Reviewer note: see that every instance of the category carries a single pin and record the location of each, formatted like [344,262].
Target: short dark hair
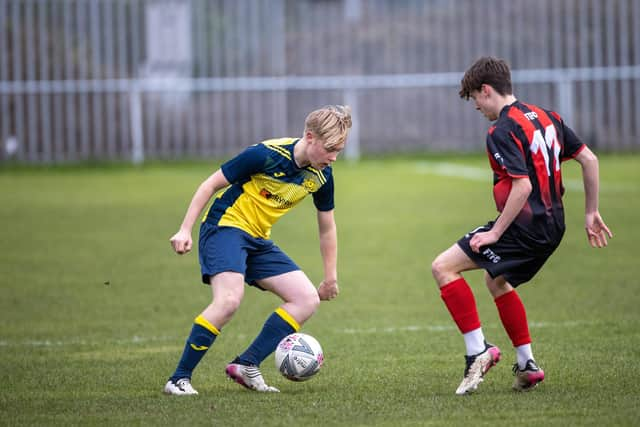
[488,70]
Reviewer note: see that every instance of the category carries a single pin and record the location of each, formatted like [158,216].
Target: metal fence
[136,79]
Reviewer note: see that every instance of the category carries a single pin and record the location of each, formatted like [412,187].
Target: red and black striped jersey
[528,141]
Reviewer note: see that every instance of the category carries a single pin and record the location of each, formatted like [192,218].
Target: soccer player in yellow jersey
[260,185]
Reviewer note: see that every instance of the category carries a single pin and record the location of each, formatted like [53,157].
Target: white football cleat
[478,365]
[249,377]
[527,378]
[181,387]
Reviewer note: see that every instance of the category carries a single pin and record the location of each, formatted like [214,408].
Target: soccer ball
[299,357]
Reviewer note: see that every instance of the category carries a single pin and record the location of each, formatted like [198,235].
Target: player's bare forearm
[590,178]
[328,289]
[202,196]
[520,190]
[597,230]
[329,252]
[182,240]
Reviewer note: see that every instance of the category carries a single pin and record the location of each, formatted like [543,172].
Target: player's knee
[312,301]
[437,268]
[303,306]
[441,271]
[309,302]
[228,304]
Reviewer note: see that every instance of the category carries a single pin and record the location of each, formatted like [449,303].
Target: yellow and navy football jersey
[265,184]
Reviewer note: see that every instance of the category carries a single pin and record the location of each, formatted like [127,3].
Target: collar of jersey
[293,157]
[506,108]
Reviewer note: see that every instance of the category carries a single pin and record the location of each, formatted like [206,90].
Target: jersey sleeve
[508,152]
[323,198]
[245,164]
[571,144]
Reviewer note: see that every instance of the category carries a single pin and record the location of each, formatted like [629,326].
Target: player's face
[320,156]
[484,103]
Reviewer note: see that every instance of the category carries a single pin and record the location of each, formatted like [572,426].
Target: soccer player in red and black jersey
[526,146]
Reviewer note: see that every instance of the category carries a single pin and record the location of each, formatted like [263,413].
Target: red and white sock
[460,302]
[474,341]
[524,353]
[514,320]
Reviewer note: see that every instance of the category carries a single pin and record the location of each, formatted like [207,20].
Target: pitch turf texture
[95,307]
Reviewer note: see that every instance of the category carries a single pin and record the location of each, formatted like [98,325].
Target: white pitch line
[392,330]
[446,328]
[78,341]
[454,170]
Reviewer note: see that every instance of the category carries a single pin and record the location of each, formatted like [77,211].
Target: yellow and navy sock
[278,325]
[202,336]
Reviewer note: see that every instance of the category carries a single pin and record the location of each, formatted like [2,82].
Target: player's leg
[458,297]
[228,290]
[300,302]
[514,319]
[300,298]
[270,269]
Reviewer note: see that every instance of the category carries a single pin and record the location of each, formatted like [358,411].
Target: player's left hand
[482,239]
[597,230]
[328,290]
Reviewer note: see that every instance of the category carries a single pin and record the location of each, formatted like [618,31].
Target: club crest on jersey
[309,185]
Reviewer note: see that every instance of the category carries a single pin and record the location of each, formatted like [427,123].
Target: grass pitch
[95,307]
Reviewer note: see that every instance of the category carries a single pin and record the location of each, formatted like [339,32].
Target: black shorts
[514,256]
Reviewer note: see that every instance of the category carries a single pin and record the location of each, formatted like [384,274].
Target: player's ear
[309,136]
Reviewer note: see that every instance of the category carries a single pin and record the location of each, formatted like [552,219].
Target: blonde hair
[330,123]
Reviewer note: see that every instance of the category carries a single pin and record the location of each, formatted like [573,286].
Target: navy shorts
[514,256]
[232,249]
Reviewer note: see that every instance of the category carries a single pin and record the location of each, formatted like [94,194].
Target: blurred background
[132,80]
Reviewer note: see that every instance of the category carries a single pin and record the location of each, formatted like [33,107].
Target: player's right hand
[481,239]
[181,242]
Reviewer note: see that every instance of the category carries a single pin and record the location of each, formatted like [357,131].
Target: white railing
[136,79]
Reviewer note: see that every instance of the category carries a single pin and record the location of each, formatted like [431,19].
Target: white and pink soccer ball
[299,357]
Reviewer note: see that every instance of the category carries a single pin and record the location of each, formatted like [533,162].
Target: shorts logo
[279,174]
[491,256]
